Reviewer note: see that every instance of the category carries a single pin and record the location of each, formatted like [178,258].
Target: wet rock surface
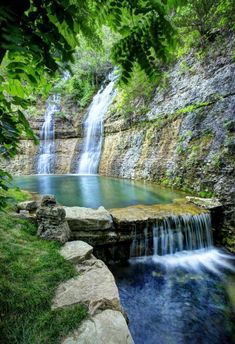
[145,213]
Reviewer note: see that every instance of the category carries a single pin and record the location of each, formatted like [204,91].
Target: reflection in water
[88,191]
[94,191]
[178,299]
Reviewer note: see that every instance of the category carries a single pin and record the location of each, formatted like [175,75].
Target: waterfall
[173,234]
[93,129]
[46,158]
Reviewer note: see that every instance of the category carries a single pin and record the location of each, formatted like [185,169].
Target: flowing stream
[46,158]
[173,234]
[179,294]
[93,129]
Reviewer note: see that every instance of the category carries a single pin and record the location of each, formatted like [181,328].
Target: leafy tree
[206,16]
[36,35]
[88,70]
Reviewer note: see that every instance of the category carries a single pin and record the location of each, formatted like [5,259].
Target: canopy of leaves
[37,35]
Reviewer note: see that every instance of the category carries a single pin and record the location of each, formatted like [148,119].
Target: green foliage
[88,70]
[139,90]
[206,194]
[5,179]
[12,196]
[36,36]
[31,270]
[229,125]
[206,16]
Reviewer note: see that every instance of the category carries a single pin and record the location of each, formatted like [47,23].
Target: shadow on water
[178,299]
[94,191]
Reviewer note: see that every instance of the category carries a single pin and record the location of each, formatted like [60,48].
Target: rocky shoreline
[95,287]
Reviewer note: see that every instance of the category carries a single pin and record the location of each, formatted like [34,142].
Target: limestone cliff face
[68,141]
[187,138]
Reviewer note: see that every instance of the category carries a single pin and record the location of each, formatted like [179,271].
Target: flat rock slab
[80,218]
[107,327]
[76,251]
[95,287]
[143,213]
[28,205]
[207,203]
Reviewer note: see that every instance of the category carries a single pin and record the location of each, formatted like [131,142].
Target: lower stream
[179,299]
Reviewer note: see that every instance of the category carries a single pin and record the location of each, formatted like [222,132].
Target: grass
[31,269]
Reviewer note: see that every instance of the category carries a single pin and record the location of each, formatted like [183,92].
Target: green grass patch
[9,198]
[31,270]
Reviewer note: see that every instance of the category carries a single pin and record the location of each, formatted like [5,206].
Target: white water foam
[93,128]
[46,158]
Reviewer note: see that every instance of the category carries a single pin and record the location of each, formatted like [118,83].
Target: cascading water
[90,157]
[177,292]
[46,158]
[173,234]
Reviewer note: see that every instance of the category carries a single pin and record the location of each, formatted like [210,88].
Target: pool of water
[94,191]
[178,299]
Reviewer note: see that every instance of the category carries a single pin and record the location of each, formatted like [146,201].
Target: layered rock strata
[185,136]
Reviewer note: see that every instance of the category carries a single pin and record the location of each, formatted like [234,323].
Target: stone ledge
[86,218]
[107,327]
[206,203]
[94,287]
[76,251]
[148,213]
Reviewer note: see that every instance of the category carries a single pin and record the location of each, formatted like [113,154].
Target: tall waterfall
[93,129]
[46,158]
[172,235]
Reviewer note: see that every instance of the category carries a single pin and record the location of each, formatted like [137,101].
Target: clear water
[93,129]
[180,298]
[46,157]
[94,191]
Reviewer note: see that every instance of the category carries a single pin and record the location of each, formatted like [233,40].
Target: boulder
[51,222]
[107,327]
[76,251]
[27,205]
[95,287]
[48,200]
[80,218]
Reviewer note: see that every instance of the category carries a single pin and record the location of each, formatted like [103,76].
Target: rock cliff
[68,141]
[187,137]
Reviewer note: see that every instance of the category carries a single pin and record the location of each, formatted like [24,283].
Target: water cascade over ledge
[93,129]
[174,288]
[173,234]
[46,158]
